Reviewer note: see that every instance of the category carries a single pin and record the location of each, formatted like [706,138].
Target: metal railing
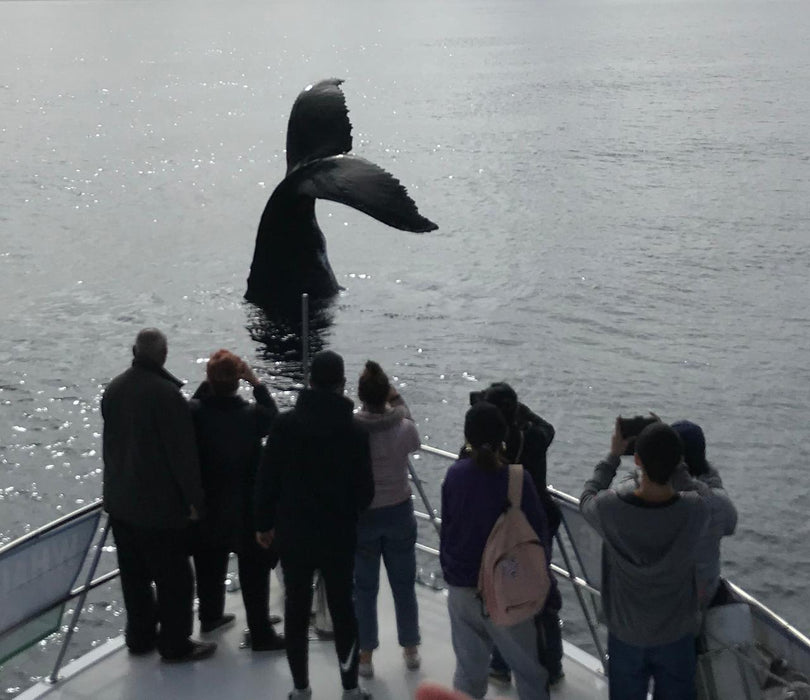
[796,645]
[578,583]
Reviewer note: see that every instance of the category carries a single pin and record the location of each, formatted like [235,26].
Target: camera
[631,427]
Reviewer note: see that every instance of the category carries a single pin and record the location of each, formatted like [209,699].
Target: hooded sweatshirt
[649,593]
[392,436]
[314,478]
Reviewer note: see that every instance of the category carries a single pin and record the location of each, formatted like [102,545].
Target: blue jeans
[389,532]
[671,666]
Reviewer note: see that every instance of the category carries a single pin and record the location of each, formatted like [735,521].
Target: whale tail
[362,185]
[290,253]
[319,124]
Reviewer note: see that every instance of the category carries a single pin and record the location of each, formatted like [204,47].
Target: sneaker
[500,675]
[211,625]
[357,693]
[297,694]
[412,658]
[365,668]
[197,652]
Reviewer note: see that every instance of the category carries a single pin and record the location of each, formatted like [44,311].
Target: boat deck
[110,673]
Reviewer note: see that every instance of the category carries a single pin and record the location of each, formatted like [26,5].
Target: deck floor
[109,673]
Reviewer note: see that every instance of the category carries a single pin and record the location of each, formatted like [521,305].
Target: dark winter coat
[315,477]
[151,472]
[229,433]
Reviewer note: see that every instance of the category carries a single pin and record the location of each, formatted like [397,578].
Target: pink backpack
[513,580]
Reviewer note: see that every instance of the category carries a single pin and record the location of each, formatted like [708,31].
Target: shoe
[412,658]
[197,652]
[224,621]
[555,678]
[365,668]
[271,643]
[500,675]
[357,693]
[296,694]
[142,650]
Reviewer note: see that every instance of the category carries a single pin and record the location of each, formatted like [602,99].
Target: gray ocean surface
[622,189]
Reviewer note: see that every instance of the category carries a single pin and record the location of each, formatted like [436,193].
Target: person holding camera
[649,592]
[528,437]
[229,432]
[474,492]
[694,473]
[387,528]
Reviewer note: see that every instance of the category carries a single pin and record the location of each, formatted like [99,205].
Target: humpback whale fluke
[290,254]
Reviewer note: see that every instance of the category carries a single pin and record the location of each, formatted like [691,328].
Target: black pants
[255,565]
[210,569]
[158,556]
[337,572]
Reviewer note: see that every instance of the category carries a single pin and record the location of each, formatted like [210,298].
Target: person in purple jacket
[474,494]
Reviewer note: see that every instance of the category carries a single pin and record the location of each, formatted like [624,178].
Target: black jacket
[315,477]
[229,432]
[526,444]
[151,472]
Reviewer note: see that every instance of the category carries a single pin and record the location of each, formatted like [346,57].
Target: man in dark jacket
[152,491]
[527,439]
[314,479]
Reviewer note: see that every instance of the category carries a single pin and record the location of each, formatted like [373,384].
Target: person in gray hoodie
[649,590]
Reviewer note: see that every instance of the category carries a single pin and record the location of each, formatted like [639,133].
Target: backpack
[513,580]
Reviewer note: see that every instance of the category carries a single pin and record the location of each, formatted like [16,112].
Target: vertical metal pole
[79,604]
[305,337]
[582,604]
[420,488]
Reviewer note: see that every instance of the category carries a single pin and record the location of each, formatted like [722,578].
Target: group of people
[328,495]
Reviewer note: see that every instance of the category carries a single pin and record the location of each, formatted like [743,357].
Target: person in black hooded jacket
[229,431]
[314,479]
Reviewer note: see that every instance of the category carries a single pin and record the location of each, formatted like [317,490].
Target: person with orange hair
[229,432]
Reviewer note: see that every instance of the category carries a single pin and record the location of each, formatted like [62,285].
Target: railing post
[418,483]
[305,337]
[582,604]
[79,604]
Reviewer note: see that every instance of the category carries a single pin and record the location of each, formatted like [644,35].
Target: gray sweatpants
[473,636]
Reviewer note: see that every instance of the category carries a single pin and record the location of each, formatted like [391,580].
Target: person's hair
[694,446]
[485,430]
[503,396]
[327,370]
[373,386]
[151,344]
[660,451]
[223,370]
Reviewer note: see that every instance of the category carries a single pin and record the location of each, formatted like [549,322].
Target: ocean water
[622,189]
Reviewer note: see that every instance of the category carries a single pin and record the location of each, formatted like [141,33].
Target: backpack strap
[514,493]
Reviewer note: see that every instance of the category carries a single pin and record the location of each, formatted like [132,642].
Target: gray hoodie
[649,593]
